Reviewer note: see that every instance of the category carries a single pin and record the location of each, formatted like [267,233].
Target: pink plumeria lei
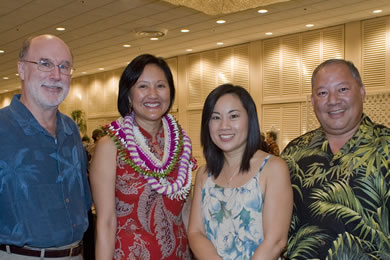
[133,150]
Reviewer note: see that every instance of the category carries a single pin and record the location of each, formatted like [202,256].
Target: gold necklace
[231,177]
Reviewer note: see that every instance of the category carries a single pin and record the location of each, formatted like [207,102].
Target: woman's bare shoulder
[105,150]
[106,143]
[202,174]
[274,164]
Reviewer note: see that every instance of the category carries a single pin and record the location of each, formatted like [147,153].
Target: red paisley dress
[149,225]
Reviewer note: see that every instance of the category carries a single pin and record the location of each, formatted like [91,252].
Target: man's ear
[21,70]
[363,92]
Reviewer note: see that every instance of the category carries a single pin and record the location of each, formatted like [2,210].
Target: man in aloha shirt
[340,174]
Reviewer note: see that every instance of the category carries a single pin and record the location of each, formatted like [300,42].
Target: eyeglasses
[46,65]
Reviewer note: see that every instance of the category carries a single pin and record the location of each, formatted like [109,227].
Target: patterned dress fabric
[233,217]
[149,225]
[342,200]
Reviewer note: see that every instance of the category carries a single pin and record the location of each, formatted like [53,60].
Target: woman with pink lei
[141,171]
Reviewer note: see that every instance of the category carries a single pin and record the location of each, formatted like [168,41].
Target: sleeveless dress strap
[264,163]
[258,173]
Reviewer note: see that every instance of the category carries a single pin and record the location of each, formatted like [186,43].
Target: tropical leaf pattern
[44,193]
[342,200]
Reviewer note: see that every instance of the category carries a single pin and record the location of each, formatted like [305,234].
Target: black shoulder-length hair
[132,73]
[213,154]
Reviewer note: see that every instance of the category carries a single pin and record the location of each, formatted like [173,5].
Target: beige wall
[276,72]
[6,98]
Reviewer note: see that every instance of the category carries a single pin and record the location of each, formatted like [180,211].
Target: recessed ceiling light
[101,68]
[5,78]
[188,49]
[377,11]
[2,51]
[154,39]
[126,45]
[17,74]
[184,30]
[84,72]
[219,43]
[309,25]
[60,29]
[221,21]
[268,33]
[262,11]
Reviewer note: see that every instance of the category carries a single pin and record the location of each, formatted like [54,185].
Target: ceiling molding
[219,7]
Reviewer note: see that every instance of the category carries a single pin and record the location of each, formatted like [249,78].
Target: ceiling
[96,30]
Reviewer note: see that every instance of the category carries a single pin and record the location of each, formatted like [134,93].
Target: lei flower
[133,150]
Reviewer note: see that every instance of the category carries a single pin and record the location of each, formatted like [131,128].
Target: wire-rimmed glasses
[47,65]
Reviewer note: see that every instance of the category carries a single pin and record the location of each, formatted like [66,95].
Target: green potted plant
[79,117]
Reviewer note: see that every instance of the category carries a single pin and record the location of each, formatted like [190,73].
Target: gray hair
[26,46]
[354,71]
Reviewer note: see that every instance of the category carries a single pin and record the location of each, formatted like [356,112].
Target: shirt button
[67,200]
[331,164]
[74,225]
[322,243]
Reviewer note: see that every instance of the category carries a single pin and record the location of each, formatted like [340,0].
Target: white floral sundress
[233,217]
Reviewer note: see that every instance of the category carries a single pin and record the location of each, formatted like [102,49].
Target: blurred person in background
[96,135]
[272,145]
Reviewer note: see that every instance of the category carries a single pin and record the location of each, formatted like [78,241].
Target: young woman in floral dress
[141,171]
[243,198]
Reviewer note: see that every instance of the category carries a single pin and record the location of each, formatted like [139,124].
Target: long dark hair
[213,154]
[132,73]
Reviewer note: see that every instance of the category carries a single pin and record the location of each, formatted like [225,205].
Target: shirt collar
[361,132]
[30,124]
[63,123]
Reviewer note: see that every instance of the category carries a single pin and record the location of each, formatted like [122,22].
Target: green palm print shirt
[342,200]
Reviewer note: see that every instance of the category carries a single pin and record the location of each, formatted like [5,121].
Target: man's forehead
[52,48]
[334,69]
[339,67]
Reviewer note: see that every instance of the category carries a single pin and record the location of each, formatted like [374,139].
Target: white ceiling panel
[97,29]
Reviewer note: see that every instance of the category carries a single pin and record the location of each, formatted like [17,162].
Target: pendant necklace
[228,181]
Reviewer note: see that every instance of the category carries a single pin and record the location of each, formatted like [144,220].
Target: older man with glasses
[44,193]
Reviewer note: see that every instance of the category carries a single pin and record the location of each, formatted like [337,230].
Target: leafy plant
[79,117]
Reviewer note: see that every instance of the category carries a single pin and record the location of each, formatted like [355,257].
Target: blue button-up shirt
[44,193]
